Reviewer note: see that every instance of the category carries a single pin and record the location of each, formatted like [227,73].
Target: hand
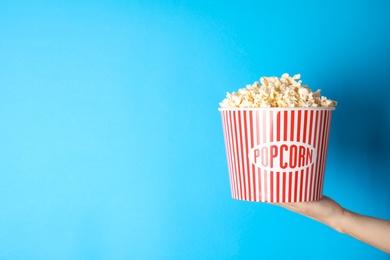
[371,230]
[324,210]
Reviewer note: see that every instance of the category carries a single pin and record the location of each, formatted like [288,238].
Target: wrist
[338,222]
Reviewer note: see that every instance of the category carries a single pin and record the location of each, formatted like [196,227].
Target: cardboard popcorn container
[276,154]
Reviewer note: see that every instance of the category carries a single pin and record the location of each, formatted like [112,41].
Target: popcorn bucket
[276,154]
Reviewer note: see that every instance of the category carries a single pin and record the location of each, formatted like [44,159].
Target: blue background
[111,144]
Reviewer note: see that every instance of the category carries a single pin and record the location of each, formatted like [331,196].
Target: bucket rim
[273,108]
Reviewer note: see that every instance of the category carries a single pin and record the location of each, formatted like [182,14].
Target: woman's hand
[373,231]
[326,211]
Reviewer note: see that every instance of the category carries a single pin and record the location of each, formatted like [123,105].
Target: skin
[370,230]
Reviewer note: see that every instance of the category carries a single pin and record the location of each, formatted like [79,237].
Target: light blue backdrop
[111,144]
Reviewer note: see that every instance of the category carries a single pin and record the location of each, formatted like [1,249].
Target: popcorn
[276,92]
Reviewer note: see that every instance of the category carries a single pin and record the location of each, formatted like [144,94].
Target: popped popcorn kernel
[272,91]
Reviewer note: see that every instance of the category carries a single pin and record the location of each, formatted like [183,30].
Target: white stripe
[313,167]
[281,199]
[275,125]
[294,139]
[250,145]
[287,173]
[301,172]
[267,139]
[256,142]
[262,126]
[306,171]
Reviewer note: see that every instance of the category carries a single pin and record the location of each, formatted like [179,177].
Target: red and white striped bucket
[276,154]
